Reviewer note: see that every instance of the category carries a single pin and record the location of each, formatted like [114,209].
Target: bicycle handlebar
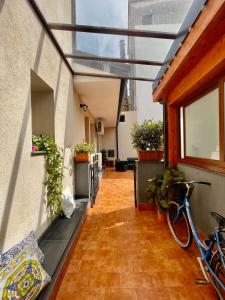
[188,183]
[201,182]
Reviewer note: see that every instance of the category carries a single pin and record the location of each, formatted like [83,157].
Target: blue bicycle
[212,250]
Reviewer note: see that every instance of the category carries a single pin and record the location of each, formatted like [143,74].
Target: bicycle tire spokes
[178,225]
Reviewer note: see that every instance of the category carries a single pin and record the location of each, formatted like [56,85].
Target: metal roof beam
[112,76]
[115,60]
[114,31]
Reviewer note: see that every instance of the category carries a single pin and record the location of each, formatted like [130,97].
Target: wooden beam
[112,76]
[173,135]
[115,60]
[202,76]
[114,31]
[207,30]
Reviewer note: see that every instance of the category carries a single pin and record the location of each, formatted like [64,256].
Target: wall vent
[99,127]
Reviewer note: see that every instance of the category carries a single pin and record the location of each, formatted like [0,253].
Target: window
[202,127]
[42,107]
[202,130]
[122,118]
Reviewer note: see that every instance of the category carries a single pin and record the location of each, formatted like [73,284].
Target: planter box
[145,170]
[150,155]
[83,157]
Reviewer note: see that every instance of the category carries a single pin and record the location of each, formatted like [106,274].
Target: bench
[121,165]
[57,244]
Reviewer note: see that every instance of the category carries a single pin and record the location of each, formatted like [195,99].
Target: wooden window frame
[205,163]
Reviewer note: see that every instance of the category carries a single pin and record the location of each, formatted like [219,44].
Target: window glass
[182,132]
[42,107]
[202,127]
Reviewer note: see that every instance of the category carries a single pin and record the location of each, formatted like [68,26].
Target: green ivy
[54,168]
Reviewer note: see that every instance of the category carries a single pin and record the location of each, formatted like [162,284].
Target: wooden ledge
[207,30]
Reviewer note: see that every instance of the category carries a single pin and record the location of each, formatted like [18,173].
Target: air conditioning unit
[99,127]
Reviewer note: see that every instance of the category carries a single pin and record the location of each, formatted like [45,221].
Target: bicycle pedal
[201,281]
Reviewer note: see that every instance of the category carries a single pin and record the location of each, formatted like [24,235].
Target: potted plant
[147,139]
[82,152]
[159,193]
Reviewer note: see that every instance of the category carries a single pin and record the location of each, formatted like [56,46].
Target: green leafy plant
[147,136]
[84,148]
[54,168]
[158,191]
[104,152]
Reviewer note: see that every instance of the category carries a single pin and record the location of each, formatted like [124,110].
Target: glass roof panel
[121,69]
[133,13]
[160,15]
[106,13]
[146,15]
[113,46]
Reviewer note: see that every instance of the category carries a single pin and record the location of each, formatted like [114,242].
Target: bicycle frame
[205,251]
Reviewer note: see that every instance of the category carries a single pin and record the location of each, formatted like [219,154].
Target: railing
[94,182]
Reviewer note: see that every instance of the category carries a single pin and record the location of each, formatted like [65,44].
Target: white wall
[109,139]
[93,135]
[124,138]
[155,50]
[146,108]
[24,47]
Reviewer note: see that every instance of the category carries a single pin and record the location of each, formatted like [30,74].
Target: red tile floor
[123,254]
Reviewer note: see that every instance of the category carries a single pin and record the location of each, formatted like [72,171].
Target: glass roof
[124,51]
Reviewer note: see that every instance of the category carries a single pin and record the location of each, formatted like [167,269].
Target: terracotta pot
[161,217]
[83,157]
[146,207]
[150,155]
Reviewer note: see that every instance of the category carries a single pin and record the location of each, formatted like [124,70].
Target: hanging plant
[54,168]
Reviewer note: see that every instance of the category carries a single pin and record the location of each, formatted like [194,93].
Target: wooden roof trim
[208,68]
[205,20]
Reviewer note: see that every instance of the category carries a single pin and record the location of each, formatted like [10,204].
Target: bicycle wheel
[218,268]
[179,226]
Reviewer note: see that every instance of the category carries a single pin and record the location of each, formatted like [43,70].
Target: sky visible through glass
[106,13]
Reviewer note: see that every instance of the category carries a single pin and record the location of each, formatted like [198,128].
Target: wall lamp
[84,107]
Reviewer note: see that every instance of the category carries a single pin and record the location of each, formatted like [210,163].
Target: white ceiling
[101,95]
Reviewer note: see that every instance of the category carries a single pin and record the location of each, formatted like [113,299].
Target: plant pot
[83,157]
[161,217]
[146,207]
[156,155]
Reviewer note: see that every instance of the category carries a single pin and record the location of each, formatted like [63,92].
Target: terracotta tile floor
[123,254]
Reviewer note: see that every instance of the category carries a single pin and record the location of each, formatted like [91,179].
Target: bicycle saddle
[220,219]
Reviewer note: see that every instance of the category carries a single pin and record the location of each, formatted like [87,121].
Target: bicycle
[212,250]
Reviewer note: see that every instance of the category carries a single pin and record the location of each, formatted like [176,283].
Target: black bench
[57,244]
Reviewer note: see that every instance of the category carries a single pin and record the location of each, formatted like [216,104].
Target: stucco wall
[109,139]
[206,199]
[24,47]
[124,138]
